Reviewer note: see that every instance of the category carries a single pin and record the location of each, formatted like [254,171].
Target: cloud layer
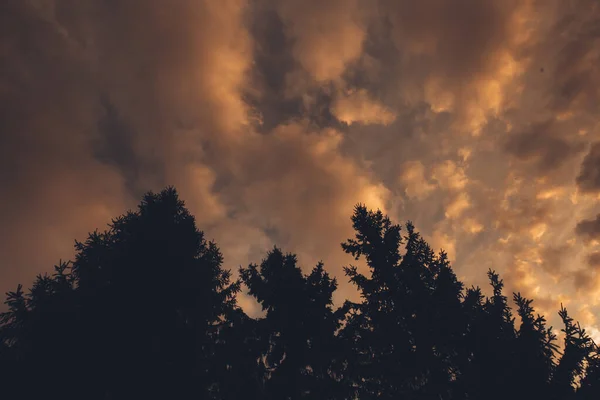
[476,120]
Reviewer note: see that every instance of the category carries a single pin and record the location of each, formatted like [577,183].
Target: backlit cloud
[477,120]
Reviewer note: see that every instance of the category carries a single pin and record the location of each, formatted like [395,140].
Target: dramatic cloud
[594,259]
[357,107]
[477,120]
[413,178]
[327,35]
[589,175]
[589,228]
[543,144]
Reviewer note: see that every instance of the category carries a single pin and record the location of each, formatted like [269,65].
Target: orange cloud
[358,107]
[476,120]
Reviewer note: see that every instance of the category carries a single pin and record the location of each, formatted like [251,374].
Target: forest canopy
[147,310]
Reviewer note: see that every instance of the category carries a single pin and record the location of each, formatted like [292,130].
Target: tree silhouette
[405,332]
[535,348]
[146,310]
[577,349]
[296,353]
[134,316]
[493,353]
[590,382]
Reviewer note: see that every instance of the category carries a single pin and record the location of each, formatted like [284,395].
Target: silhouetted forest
[146,310]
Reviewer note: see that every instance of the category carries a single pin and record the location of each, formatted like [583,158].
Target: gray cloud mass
[476,120]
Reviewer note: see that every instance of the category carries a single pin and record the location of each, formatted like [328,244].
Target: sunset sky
[479,120]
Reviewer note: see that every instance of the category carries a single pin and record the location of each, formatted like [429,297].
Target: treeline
[147,311]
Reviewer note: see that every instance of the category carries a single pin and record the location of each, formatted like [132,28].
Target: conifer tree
[146,310]
[135,316]
[535,349]
[298,331]
[590,383]
[405,332]
[578,347]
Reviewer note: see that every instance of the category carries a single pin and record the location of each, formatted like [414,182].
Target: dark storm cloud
[587,278]
[544,144]
[113,145]
[593,259]
[273,62]
[589,228]
[553,258]
[573,77]
[577,69]
[462,35]
[588,179]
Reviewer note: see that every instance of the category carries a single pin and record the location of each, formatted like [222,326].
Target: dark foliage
[146,311]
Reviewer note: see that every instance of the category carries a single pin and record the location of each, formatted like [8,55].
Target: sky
[478,120]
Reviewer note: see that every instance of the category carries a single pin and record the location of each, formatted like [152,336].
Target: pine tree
[136,315]
[535,349]
[578,347]
[298,331]
[492,346]
[590,383]
[405,333]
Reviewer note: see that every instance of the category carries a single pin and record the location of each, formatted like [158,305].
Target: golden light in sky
[477,120]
